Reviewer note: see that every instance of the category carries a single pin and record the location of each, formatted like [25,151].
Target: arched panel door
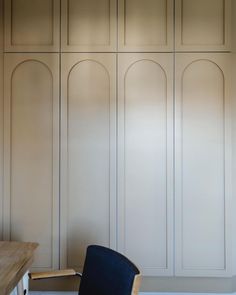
[88,154]
[202,165]
[1,116]
[145,168]
[31,154]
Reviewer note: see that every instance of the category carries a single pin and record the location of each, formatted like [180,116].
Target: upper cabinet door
[203,177]
[88,25]
[32,25]
[145,161]
[203,25]
[145,25]
[31,153]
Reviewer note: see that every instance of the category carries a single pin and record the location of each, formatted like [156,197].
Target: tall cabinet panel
[202,165]
[88,25]
[145,163]
[145,25]
[203,25]
[32,25]
[1,118]
[88,154]
[31,153]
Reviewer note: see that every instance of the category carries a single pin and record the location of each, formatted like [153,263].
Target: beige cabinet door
[31,153]
[145,25]
[88,139]
[202,25]
[32,25]
[88,25]
[203,172]
[145,161]
[1,116]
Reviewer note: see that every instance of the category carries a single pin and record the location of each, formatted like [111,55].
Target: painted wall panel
[233,73]
[88,189]
[145,136]
[32,25]
[31,150]
[89,25]
[203,25]
[145,161]
[202,165]
[1,118]
[146,25]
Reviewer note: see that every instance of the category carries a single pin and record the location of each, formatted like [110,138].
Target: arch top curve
[31,60]
[203,60]
[144,60]
[87,60]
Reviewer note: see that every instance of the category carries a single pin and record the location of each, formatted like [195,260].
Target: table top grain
[15,259]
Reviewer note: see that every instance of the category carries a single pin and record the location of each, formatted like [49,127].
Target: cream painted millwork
[145,25]
[1,117]
[31,153]
[203,178]
[233,91]
[88,189]
[88,25]
[145,161]
[32,25]
[202,25]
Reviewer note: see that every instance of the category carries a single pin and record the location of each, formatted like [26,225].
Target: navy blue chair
[106,272]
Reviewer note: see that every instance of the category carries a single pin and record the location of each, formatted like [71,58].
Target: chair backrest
[107,272]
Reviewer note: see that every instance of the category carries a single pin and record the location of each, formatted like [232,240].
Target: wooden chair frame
[72,272]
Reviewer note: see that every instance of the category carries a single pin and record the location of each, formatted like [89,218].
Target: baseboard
[154,285]
[183,293]
[141,293]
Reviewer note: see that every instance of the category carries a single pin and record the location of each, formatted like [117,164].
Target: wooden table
[15,260]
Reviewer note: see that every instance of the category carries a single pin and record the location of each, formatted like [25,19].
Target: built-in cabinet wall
[144,164]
